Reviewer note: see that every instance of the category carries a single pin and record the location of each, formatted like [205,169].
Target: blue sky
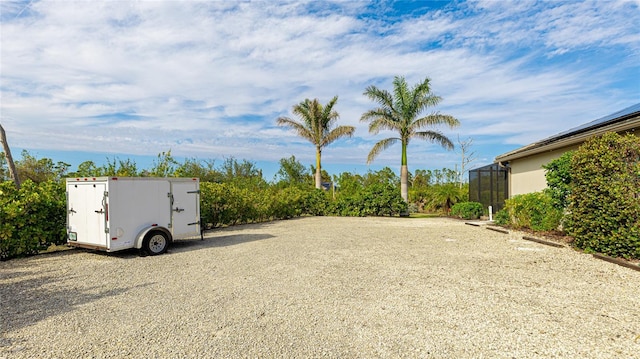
[92,80]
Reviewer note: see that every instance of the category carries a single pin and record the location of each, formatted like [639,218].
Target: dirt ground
[324,287]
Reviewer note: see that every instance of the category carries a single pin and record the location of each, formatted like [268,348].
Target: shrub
[604,214]
[378,199]
[32,218]
[534,211]
[502,217]
[467,210]
[558,175]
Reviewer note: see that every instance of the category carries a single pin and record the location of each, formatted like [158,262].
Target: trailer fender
[143,233]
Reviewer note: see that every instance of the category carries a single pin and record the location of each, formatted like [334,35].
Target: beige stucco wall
[527,174]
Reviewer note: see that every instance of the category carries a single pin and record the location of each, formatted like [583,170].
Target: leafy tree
[292,173]
[421,179]
[87,169]
[202,169]
[316,126]
[385,176]
[40,170]
[400,112]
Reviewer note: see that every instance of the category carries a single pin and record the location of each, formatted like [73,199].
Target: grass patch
[424,215]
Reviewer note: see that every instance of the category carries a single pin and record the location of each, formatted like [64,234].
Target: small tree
[467,157]
[292,172]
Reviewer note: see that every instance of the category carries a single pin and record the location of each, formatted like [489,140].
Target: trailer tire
[155,242]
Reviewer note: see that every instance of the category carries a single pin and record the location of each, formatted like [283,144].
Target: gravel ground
[324,287]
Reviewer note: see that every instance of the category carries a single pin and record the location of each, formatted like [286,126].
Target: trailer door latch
[178,209]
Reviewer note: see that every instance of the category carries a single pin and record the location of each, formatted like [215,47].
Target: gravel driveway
[324,287]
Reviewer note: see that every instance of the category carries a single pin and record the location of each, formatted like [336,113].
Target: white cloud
[209,78]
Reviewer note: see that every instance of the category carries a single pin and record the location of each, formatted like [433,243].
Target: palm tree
[399,112]
[316,126]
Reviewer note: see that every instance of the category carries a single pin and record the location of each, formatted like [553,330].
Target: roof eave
[577,138]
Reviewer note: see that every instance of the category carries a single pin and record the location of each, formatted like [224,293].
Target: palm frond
[435,136]
[298,127]
[379,147]
[435,120]
[383,97]
[401,96]
[336,133]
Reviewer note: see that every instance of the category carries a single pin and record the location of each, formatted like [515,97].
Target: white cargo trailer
[116,213]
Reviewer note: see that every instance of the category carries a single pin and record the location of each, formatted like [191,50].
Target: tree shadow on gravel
[31,300]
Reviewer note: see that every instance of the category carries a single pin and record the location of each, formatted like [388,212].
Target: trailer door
[185,209]
[87,213]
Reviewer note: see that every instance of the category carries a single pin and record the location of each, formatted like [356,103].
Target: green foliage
[349,184]
[467,210]
[121,168]
[202,169]
[502,217]
[378,199]
[317,125]
[532,210]
[225,204]
[383,176]
[604,210]
[558,175]
[164,166]
[243,174]
[293,173]
[39,169]
[32,218]
[443,196]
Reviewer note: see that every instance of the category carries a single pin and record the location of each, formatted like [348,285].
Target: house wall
[527,174]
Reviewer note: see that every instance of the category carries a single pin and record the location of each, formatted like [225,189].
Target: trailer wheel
[155,243]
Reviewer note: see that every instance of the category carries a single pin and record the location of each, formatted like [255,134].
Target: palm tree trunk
[7,154]
[404,177]
[318,169]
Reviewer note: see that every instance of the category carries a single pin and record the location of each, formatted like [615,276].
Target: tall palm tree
[399,112]
[316,126]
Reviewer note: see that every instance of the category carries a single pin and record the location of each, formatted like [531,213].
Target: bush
[378,199]
[558,175]
[532,210]
[604,210]
[502,217]
[32,218]
[467,210]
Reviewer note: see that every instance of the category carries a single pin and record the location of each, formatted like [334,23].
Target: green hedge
[378,199]
[604,210]
[32,218]
[467,210]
